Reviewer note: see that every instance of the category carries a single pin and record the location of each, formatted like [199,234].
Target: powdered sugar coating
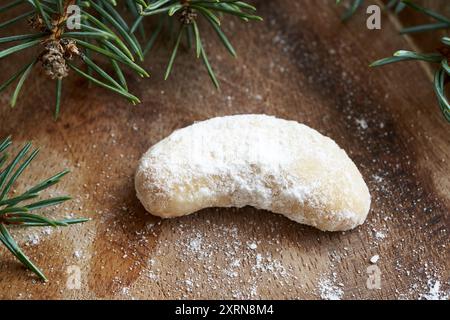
[254,160]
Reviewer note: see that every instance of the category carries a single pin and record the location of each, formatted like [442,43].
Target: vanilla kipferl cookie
[254,160]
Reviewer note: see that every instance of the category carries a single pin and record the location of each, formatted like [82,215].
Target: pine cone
[53,60]
[187,15]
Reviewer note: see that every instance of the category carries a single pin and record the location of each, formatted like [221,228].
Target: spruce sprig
[186,12]
[441,58]
[103,33]
[18,210]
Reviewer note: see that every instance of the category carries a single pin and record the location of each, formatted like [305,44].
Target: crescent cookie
[254,160]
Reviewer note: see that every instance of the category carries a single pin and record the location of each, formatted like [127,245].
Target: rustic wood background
[301,63]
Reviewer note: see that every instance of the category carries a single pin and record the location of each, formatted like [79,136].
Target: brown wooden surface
[302,64]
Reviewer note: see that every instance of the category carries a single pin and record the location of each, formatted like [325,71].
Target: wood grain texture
[302,64]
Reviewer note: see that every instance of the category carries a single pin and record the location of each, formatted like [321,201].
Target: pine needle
[18,210]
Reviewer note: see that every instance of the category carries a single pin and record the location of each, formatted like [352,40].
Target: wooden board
[302,64]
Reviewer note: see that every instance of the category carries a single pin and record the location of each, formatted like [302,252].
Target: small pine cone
[187,15]
[53,60]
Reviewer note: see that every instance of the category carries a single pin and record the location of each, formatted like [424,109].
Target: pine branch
[185,13]
[440,58]
[18,210]
[104,34]
[56,46]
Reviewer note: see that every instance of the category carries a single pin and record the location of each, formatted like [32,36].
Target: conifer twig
[100,31]
[440,58]
[103,33]
[186,14]
[18,210]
